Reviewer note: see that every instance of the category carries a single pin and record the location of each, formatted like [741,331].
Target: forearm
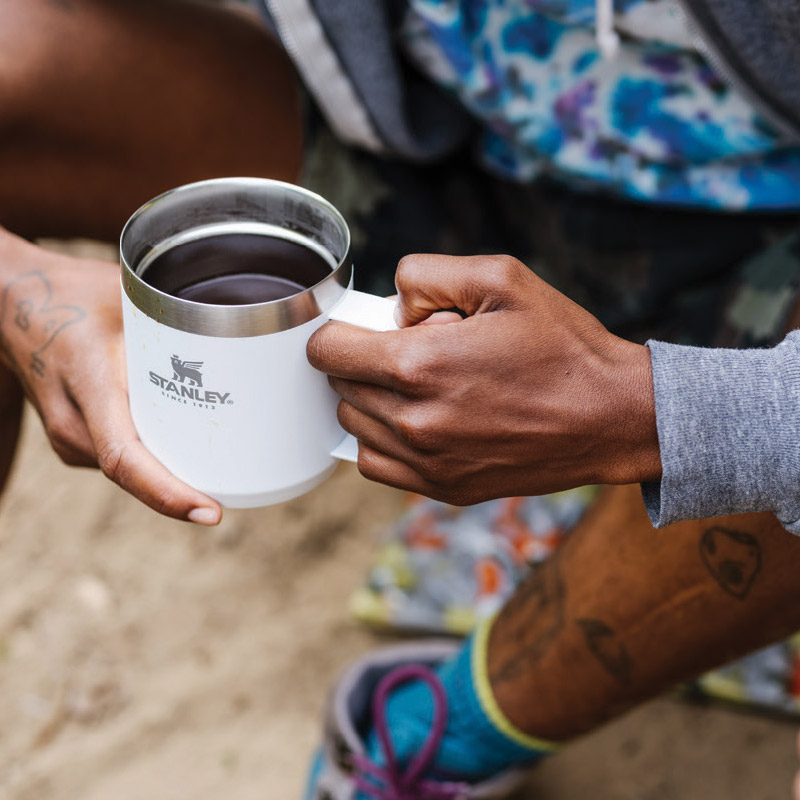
[622,416]
[623,613]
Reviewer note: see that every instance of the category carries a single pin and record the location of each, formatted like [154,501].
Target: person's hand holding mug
[527,394]
[61,334]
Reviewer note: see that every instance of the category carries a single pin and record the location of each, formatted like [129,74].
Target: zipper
[607,38]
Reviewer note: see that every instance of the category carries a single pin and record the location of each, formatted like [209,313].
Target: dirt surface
[146,658]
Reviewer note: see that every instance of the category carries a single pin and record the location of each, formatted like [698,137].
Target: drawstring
[607,37]
[390,782]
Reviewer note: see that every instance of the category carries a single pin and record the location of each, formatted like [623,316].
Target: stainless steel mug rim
[207,319]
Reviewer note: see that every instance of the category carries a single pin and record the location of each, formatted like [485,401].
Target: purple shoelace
[391,782]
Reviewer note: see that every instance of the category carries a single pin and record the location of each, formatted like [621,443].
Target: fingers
[391,444]
[387,421]
[375,465]
[69,437]
[382,468]
[63,423]
[375,401]
[474,284]
[442,318]
[346,351]
[375,434]
[397,455]
[125,460]
[382,358]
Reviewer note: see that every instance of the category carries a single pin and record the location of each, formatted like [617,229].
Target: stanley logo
[186,385]
[187,369]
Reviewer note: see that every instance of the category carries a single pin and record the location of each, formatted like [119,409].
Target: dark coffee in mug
[236,269]
[223,395]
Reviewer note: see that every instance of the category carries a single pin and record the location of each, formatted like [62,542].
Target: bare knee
[104,103]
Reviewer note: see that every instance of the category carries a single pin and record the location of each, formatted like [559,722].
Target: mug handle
[367,311]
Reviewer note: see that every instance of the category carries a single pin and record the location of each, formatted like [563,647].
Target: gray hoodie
[728,420]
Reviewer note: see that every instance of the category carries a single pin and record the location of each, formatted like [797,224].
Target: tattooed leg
[626,612]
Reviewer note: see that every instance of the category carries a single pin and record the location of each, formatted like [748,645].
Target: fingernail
[204,516]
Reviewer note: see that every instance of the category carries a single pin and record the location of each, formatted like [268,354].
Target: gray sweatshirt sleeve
[729,431]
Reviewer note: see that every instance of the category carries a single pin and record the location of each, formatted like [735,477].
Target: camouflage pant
[692,277]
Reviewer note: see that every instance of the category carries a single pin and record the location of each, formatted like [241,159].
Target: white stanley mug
[223,395]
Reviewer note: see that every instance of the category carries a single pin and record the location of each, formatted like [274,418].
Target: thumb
[427,284]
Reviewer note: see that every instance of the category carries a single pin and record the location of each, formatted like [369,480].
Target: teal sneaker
[346,767]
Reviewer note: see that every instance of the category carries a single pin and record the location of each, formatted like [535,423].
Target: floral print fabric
[655,123]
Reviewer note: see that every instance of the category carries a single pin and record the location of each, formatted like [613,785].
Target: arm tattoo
[26,304]
[532,619]
[602,641]
[733,559]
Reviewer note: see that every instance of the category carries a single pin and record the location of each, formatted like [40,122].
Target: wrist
[627,417]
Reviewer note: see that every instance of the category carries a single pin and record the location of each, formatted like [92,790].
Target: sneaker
[341,769]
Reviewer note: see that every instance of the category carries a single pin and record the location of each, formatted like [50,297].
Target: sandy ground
[145,658]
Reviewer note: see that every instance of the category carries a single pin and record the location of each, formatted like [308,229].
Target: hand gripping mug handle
[366,311]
